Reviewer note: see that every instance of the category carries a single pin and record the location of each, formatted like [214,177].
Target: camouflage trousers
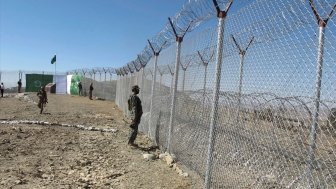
[134,132]
[90,95]
[41,105]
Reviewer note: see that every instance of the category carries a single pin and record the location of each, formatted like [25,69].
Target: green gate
[35,81]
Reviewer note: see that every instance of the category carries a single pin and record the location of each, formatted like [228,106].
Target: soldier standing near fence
[90,92]
[134,106]
[42,94]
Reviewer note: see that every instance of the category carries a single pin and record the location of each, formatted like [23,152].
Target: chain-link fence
[103,81]
[249,102]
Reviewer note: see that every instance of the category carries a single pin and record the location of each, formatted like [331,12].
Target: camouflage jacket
[134,106]
[42,96]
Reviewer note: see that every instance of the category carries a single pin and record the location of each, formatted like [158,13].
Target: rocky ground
[78,143]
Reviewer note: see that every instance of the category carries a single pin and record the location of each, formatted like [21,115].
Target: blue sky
[82,33]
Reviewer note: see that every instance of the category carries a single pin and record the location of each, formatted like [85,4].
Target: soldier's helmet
[135,87]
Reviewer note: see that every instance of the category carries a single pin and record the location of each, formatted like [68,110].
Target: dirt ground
[52,156]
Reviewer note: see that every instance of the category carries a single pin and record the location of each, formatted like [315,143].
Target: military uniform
[80,89]
[90,92]
[2,88]
[19,86]
[135,108]
[42,94]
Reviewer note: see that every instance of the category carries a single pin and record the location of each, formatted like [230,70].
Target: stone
[185,174]
[18,182]
[3,182]
[162,156]
[179,171]
[149,156]
[45,176]
[169,160]
[173,156]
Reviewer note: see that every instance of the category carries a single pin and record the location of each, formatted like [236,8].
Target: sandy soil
[52,156]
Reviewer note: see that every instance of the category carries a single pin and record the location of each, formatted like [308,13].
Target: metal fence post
[136,75]
[204,83]
[214,112]
[104,85]
[184,71]
[152,95]
[173,100]
[156,54]
[172,80]
[242,53]
[312,146]
[118,89]
[240,86]
[179,40]
[142,81]
[205,64]
[160,82]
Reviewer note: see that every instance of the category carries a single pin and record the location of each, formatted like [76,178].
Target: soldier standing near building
[134,106]
[19,86]
[42,94]
[80,87]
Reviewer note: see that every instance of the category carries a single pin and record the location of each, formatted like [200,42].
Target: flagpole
[55,72]
[53,61]
[55,76]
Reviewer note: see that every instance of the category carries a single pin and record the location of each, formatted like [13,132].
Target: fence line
[253,107]
[260,114]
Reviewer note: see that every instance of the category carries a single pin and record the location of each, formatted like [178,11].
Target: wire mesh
[269,102]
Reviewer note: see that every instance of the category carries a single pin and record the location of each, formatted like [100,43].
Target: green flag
[53,60]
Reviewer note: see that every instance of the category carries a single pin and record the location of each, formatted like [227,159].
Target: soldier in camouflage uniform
[80,88]
[134,106]
[42,94]
[2,88]
[90,92]
[19,85]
